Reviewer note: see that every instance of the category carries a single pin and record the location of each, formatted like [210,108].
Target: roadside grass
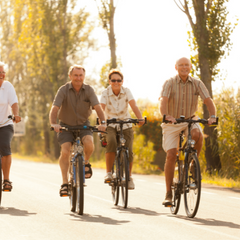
[215,180]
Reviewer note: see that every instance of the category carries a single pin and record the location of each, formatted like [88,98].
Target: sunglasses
[114,80]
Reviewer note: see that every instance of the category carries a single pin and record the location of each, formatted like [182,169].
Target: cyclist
[179,96]
[8,106]
[114,101]
[74,102]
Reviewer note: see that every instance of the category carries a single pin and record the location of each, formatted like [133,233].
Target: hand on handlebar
[16,119]
[102,127]
[57,127]
[211,121]
[141,122]
[170,119]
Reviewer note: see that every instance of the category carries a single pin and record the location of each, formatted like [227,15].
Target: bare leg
[169,167]
[6,165]
[88,149]
[198,137]
[64,160]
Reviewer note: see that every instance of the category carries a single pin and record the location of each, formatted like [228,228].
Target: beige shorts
[171,134]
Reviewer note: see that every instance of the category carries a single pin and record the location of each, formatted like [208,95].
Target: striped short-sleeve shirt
[183,97]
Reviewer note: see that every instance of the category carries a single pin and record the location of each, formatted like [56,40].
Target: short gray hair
[2,64]
[75,66]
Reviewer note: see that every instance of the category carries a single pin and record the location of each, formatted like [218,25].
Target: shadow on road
[15,212]
[138,210]
[96,218]
[211,222]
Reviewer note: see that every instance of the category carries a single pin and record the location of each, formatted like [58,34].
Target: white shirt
[7,98]
[117,106]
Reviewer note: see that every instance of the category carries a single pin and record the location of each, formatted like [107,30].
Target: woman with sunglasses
[114,101]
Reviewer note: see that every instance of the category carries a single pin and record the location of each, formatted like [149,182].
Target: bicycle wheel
[176,187]
[192,191]
[79,185]
[124,176]
[0,180]
[115,183]
[72,189]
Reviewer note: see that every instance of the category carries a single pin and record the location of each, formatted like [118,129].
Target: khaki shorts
[171,134]
[112,141]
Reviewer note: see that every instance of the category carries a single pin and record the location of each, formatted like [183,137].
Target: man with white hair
[179,96]
[8,106]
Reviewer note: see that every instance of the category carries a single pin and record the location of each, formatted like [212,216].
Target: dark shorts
[6,135]
[66,136]
[112,141]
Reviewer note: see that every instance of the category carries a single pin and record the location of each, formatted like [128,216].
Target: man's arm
[15,110]
[211,109]
[164,111]
[53,118]
[136,110]
[101,116]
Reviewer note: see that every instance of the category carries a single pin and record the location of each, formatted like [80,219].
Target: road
[34,210]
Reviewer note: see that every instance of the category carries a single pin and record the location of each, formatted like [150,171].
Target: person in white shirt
[8,106]
[114,101]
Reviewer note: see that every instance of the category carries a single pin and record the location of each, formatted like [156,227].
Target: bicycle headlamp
[79,149]
[192,143]
[122,141]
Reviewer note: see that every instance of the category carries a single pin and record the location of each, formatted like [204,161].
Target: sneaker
[168,199]
[108,178]
[131,184]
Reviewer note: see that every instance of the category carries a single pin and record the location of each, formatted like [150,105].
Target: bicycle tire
[115,183]
[176,187]
[0,180]
[72,189]
[79,185]
[124,174]
[192,192]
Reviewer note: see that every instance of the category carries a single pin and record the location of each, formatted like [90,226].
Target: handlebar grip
[97,121]
[216,123]
[164,119]
[52,128]
[145,118]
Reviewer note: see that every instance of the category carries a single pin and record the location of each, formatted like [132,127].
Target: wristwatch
[213,116]
[103,122]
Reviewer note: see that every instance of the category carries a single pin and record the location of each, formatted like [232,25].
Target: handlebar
[182,119]
[129,120]
[77,128]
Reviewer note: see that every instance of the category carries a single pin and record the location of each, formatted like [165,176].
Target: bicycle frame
[77,151]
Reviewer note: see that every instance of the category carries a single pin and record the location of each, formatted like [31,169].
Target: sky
[151,35]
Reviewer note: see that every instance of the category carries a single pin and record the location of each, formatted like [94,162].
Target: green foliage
[143,153]
[217,33]
[228,110]
[40,40]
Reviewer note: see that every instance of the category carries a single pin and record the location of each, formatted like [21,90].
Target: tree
[210,37]
[106,14]
[41,40]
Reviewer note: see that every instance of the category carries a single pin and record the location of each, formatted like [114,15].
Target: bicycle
[120,169]
[187,174]
[10,117]
[76,182]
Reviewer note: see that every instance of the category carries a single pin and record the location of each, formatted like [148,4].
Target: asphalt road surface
[34,210]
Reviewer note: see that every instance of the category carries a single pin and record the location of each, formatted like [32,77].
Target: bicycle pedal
[168,205]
